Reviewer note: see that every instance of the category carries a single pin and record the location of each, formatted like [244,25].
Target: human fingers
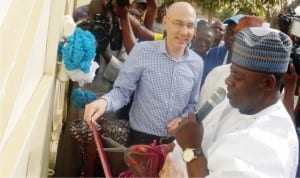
[292,68]
[189,132]
[171,127]
[94,110]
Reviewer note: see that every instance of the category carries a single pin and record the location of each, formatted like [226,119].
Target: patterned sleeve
[126,81]
[195,92]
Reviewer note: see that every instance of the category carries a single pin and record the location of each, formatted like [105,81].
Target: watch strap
[198,152]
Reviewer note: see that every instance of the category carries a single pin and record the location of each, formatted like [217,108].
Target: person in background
[140,6]
[203,41]
[146,10]
[216,77]
[165,88]
[221,55]
[136,14]
[132,29]
[219,29]
[291,85]
[200,25]
[158,25]
[80,13]
[249,134]
[291,100]
[69,155]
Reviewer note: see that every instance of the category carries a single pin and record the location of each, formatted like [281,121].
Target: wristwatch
[190,154]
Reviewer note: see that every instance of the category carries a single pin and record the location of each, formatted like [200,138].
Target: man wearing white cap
[249,134]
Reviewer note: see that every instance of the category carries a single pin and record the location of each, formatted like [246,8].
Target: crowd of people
[168,67]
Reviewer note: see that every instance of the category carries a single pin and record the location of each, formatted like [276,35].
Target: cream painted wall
[29,34]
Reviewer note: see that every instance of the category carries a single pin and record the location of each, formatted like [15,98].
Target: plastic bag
[145,160]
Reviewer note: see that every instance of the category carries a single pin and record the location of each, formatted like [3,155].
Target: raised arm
[128,36]
[140,31]
[290,82]
[150,13]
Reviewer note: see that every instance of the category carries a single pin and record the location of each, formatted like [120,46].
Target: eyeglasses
[179,23]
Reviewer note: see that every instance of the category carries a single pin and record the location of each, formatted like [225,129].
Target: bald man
[164,76]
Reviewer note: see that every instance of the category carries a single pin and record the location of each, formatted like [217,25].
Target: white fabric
[69,26]
[176,156]
[225,58]
[260,145]
[81,77]
[157,27]
[112,69]
[222,43]
[214,79]
[100,84]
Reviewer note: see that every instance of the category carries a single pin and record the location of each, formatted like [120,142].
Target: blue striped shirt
[163,88]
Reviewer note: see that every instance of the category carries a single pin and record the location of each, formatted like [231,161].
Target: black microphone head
[218,96]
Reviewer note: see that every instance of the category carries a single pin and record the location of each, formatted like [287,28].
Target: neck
[268,101]
[174,51]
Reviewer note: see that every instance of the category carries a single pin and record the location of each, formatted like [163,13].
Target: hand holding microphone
[189,132]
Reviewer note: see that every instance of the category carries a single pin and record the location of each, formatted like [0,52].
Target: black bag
[115,129]
[114,134]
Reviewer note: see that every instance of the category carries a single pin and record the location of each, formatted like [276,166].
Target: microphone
[202,112]
[213,100]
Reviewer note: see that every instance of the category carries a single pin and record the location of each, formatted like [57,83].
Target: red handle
[101,152]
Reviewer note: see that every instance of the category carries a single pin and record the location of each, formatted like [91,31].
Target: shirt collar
[163,49]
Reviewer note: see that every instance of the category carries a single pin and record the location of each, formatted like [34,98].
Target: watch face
[188,155]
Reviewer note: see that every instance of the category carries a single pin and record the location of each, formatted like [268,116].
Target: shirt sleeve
[245,155]
[194,94]
[126,82]
[112,69]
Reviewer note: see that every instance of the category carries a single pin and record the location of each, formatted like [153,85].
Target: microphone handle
[203,112]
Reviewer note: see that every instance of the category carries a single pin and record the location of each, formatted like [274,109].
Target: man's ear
[269,82]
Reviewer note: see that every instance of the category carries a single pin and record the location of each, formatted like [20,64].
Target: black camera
[106,30]
[290,24]
[100,28]
[122,3]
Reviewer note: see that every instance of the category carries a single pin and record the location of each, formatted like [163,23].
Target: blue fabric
[81,97]
[262,49]
[163,88]
[298,170]
[59,51]
[214,58]
[234,19]
[79,50]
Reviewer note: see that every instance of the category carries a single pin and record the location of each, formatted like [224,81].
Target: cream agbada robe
[237,145]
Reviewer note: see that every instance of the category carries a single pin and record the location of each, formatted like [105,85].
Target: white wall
[29,33]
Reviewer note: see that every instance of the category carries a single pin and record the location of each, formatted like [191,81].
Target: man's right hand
[94,110]
[189,133]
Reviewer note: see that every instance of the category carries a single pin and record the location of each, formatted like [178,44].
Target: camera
[122,3]
[106,30]
[290,24]
[100,28]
